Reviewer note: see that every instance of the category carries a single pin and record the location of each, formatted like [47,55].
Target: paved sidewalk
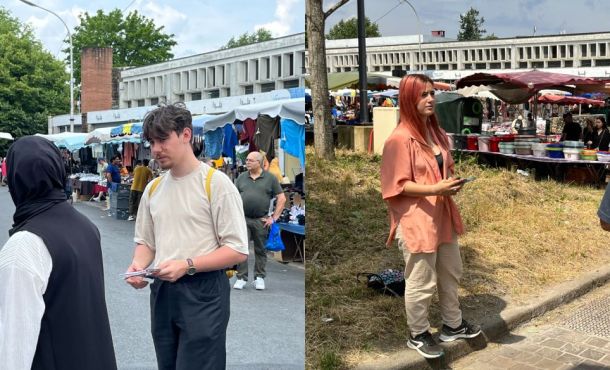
[576,336]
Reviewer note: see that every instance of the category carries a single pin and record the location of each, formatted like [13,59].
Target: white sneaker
[240,284]
[130,218]
[259,283]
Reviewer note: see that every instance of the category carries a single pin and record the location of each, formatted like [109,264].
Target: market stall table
[557,168]
[293,237]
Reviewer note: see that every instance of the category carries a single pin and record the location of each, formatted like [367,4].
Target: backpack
[389,282]
[208,185]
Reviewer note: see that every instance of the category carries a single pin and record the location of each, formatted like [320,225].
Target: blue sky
[198,25]
[505,18]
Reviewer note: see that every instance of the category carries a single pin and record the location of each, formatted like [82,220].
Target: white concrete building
[586,54]
[209,83]
[256,68]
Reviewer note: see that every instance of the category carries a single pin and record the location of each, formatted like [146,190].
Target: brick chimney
[96,79]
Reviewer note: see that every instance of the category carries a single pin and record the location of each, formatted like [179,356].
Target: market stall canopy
[99,135]
[6,136]
[69,140]
[134,128]
[293,109]
[125,133]
[565,100]
[199,123]
[477,92]
[518,87]
[339,80]
[392,93]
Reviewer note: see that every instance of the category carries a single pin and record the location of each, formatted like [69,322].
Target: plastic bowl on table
[555,150]
[571,153]
[588,155]
[506,147]
[573,144]
[603,156]
[484,143]
[523,148]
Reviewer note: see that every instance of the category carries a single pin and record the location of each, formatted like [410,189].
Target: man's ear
[187,135]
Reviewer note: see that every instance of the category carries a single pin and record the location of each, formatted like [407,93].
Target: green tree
[261,34]
[349,29]
[471,26]
[134,39]
[33,84]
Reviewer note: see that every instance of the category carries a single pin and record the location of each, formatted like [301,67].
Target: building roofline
[216,51]
[447,41]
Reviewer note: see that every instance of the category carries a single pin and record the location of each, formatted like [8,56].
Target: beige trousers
[425,273]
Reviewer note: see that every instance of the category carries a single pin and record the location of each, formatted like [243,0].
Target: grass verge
[522,236]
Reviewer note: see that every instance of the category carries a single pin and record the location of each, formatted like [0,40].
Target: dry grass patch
[523,236]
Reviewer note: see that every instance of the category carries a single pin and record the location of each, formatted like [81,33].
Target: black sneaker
[465,330]
[425,345]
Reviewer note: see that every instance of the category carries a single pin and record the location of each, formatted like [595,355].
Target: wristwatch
[191,269]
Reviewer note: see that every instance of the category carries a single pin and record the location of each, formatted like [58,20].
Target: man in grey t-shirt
[257,187]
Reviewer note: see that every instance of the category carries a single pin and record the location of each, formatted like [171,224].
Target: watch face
[191,270]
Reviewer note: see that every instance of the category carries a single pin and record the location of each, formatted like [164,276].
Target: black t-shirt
[439,160]
[572,131]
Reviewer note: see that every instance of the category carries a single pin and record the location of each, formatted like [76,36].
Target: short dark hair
[160,122]
[146,162]
[115,157]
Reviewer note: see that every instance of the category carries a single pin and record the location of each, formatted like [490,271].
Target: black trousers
[189,321]
[134,202]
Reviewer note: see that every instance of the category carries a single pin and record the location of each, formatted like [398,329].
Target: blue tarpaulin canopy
[69,140]
[134,128]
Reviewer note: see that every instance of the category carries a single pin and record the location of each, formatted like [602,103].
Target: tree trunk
[323,130]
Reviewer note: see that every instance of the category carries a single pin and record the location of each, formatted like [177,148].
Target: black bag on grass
[390,282]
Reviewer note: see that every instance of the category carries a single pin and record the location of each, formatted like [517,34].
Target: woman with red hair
[417,183]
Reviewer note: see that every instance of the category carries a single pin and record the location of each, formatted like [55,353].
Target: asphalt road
[266,329]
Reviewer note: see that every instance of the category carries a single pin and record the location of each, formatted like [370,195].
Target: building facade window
[269,86]
[289,84]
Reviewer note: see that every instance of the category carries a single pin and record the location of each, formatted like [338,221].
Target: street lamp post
[71,61]
[419,36]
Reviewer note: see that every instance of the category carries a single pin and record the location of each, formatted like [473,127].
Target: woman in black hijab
[71,330]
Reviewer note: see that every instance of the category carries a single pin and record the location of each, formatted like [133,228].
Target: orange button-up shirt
[426,221]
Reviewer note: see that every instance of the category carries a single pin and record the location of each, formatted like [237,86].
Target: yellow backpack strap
[153,186]
[208,184]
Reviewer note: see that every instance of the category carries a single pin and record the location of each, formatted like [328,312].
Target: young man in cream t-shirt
[191,240]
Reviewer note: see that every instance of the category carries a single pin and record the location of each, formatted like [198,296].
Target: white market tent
[293,109]
[6,136]
[99,135]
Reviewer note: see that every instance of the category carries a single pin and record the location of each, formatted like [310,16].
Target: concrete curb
[496,327]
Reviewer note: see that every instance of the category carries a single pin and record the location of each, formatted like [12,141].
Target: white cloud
[164,15]
[285,12]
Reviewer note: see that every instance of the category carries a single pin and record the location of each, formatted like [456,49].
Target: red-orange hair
[409,93]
